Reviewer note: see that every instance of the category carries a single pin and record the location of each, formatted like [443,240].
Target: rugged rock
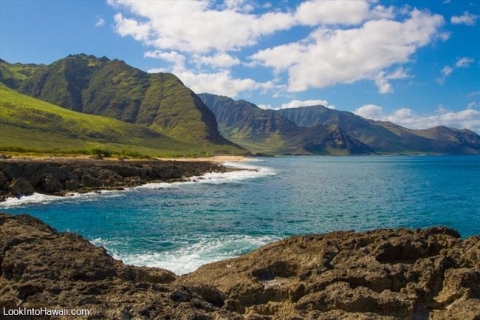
[57,177]
[41,268]
[381,274]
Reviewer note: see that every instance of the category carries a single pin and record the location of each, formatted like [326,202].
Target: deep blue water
[183,225]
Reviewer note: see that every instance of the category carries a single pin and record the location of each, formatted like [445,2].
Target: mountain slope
[13,75]
[29,124]
[114,89]
[266,131]
[386,137]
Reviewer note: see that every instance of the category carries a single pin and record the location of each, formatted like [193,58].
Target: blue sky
[415,63]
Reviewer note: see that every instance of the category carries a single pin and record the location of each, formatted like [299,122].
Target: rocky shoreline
[380,274]
[60,177]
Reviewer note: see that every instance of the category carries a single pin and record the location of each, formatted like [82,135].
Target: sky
[415,63]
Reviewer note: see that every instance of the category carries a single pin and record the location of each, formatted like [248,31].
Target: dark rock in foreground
[381,274]
[41,268]
[58,177]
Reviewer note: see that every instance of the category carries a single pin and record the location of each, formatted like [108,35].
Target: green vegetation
[114,89]
[13,75]
[138,114]
[29,125]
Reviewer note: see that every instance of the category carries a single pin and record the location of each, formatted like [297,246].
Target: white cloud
[220,60]
[330,56]
[306,103]
[131,27]
[196,26]
[464,62]
[221,83]
[202,26]
[466,18]
[370,111]
[100,22]
[446,71]
[464,119]
[174,57]
[349,40]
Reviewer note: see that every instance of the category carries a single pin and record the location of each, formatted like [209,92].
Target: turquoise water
[184,225]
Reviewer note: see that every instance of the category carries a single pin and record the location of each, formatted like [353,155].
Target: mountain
[267,131]
[387,137]
[32,125]
[112,88]
[13,75]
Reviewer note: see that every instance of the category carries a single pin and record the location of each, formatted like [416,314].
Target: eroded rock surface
[43,268]
[381,274]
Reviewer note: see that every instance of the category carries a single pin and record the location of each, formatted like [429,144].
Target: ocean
[180,226]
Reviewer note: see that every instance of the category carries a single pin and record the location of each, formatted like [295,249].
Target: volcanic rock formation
[381,274]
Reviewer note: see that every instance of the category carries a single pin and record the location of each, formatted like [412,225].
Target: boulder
[21,187]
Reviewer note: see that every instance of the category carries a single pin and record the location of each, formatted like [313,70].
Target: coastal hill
[379,274]
[29,125]
[156,107]
[280,131]
[387,137]
[267,131]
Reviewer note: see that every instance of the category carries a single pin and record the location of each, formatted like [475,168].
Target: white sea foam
[190,257]
[245,172]
[39,199]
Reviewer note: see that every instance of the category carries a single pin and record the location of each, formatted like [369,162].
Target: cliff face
[382,274]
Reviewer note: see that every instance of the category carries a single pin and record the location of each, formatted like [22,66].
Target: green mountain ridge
[387,137]
[267,131]
[114,89]
[157,104]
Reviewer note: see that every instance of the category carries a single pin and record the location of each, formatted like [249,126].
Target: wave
[41,199]
[189,257]
[245,172]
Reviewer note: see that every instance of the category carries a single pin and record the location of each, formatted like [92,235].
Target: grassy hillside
[114,89]
[31,125]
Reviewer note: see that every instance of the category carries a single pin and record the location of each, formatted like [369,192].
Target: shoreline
[215,159]
[62,176]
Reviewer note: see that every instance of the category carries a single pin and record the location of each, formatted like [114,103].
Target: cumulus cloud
[174,57]
[220,60]
[202,26]
[306,103]
[468,118]
[466,18]
[331,56]
[222,82]
[349,40]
